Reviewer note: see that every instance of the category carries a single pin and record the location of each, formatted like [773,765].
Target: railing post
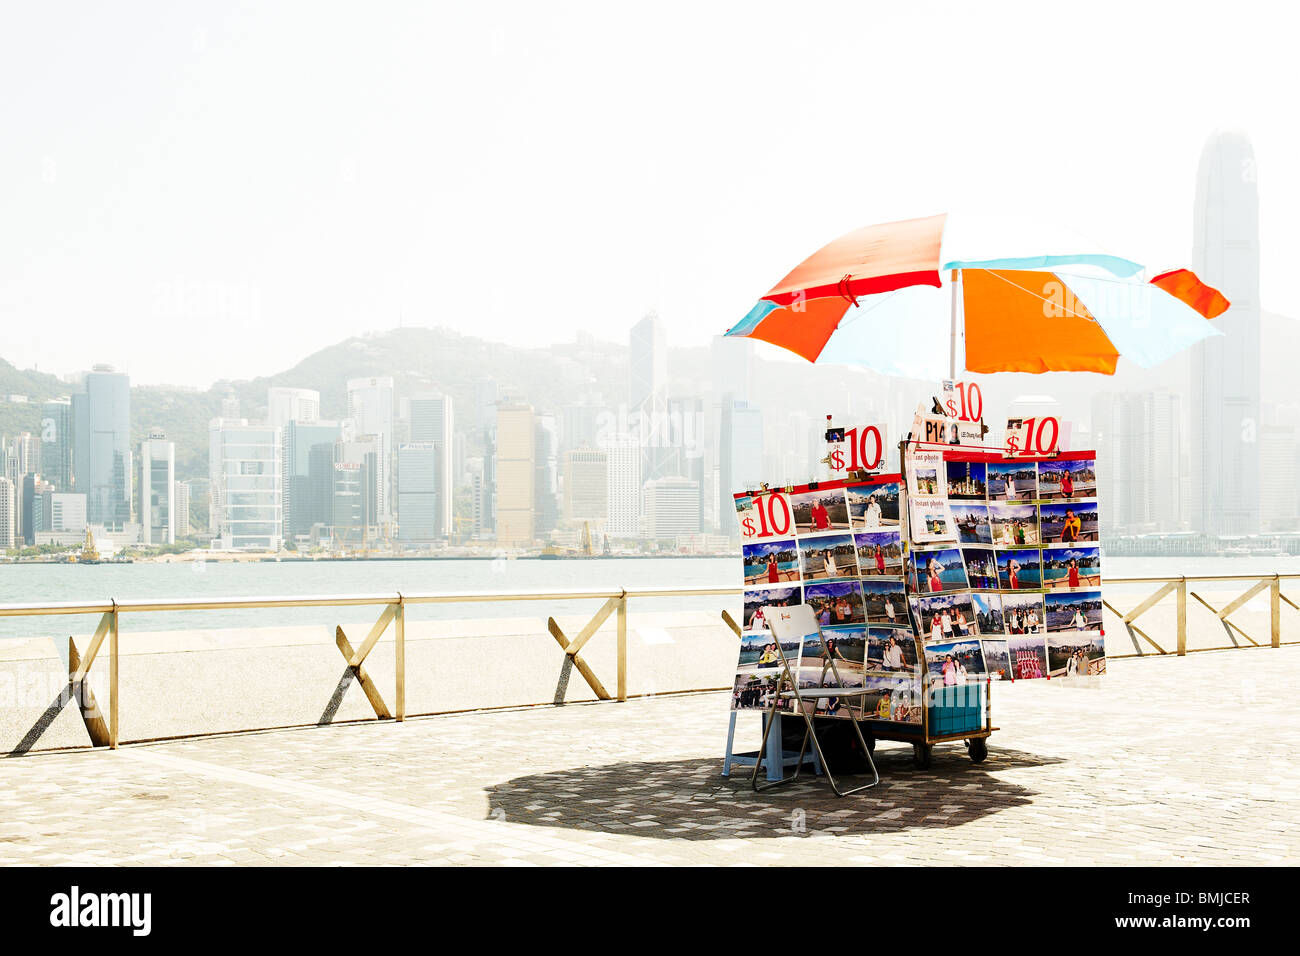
[1182,617]
[399,623]
[1275,610]
[622,647]
[112,681]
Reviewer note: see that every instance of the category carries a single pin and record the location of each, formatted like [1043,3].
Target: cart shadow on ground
[690,799]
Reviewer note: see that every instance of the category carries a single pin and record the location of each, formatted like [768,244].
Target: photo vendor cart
[925,588]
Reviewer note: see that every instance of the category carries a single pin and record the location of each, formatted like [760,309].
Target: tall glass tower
[1225,407]
[101,421]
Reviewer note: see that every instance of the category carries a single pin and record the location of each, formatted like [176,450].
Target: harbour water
[50,583]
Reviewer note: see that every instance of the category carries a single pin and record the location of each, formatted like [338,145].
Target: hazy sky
[197,191]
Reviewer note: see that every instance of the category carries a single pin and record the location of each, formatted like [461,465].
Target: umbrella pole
[952,345]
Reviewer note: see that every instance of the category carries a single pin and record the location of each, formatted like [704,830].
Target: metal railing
[394,606]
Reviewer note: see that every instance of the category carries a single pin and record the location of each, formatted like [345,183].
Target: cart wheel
[979,749]
[921,756]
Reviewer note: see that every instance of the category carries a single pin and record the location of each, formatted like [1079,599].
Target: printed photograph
[874,506]
[828,556]
[988,613]
[954,663]
[1023,613]
[886,601]
[754,692]
[903,703]
[843,645]
[1020,570]
[972,522]
[1059,479]
[1073,611]
[820,511]
[966,481]
[1012,481]
[1028,656]
[758,652]
[981,568]
[1076,654]
[1067,522]
[880,553]
[1014,526]
[1072,567]
[940,570]
[997,660]
[771,562]
[944,617]
[891,649]
[837,603]
[757,599]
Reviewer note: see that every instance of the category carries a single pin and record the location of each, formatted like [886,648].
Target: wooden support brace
[1133,627]
[1220,615]
[84,698]
[367,685]
[587,674]
[376,632]
[1149,603]
[93,647]
[1245,597]
[731,623]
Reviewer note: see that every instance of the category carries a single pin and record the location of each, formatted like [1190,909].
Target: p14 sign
[1032,436]
[863,449]
[766,515]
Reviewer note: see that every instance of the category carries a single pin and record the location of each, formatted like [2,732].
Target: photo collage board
[1004,566]
[838,547]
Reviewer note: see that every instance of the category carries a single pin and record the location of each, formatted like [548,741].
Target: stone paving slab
[1165,761]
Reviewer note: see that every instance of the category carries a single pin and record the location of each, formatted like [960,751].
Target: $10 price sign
[766,515]
[862,449]
[1032,436]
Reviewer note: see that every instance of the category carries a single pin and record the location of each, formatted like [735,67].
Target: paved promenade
[1169,761]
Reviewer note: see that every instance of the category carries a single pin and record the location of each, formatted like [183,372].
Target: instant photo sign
[829,555]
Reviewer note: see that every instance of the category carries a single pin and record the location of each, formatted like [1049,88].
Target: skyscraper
[648,396]
[586,487]
[303,505]
[432,421]
[8,514]
[56,443]
[516,474]
[420,518]
[181,501]
[740,458]
[624,468]
[284,405]
[1225,409]
[1140,461]
[101,421]
[370,405]
[672,507]
[157,494]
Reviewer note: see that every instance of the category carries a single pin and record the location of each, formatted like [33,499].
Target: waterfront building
[740,457]
[306,502]
[8,515]
[516,474]
[432,421]
[370,406]
[1225,369]
[56,443]
[245,504]
[156,482]
[67,512]
[623,467]
[181,502]
[672,507]
[101,421]
[420,492]
[586,488]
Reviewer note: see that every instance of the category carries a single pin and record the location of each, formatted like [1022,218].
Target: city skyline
[276,238]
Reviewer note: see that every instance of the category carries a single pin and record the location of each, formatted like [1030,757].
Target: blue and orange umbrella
[902,297]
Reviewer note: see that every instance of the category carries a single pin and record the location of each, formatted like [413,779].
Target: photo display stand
[928,586]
